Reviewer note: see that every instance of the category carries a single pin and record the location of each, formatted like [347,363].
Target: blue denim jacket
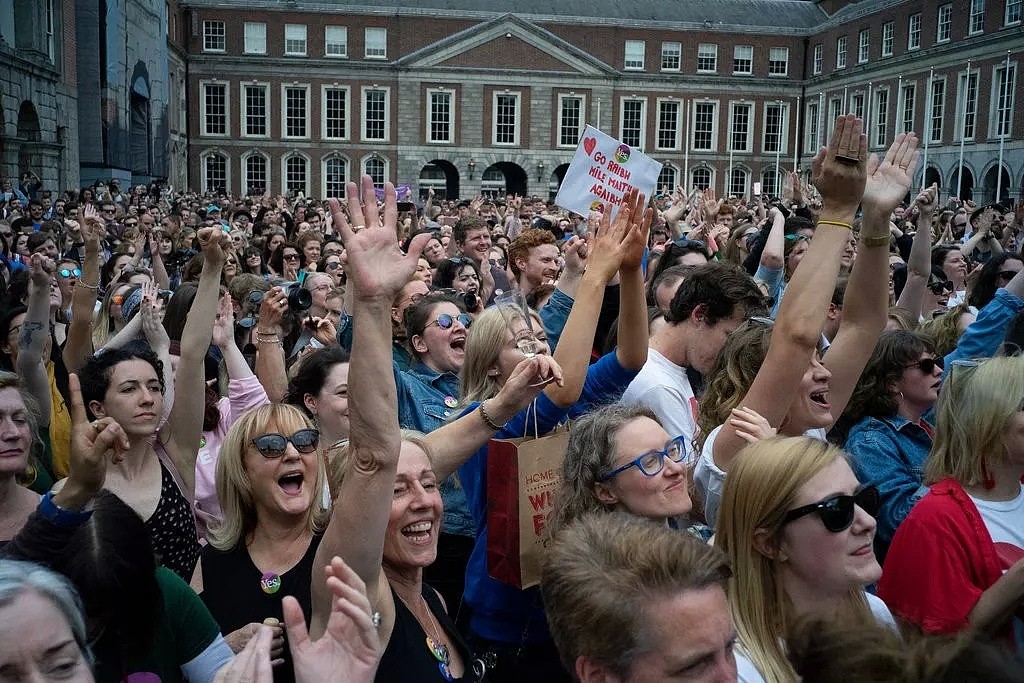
[400,356]
[554,315]
[987,332]
[889,452]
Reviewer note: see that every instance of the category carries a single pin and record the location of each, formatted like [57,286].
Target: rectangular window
[296,111]
[506,118]
[336,41]
[914,32]
[256,99]
[888,38]
[1013,12]
[668,124]
[255,38]
[631,122]
[215,109]
[214,36]
[743,59]
[813,113]
[835,107]
[296,174]
[909,97]
[738,182]
[634,57]
[707,58]
[335,175]
[739,129]
[376,40]
[441,109]
[255,166]
[863,46]
[977,21]
[671,56]
[881,122]
[295,39]
[818,59]
[216,173]
[841,52]
[705,126]
[857,105]
[775,115]
[778,61]
[967,106]
[945,23]
[938,103]
[335,114]
[1002,100]
[570,120]
[375,114]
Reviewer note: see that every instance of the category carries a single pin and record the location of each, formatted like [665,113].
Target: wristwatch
[59,516]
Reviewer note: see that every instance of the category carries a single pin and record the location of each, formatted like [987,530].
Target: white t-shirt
[663,386]
[746,672]
[1005,523]
[710,479]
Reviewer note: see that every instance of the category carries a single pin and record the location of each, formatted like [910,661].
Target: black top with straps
[172,528]
[407,657]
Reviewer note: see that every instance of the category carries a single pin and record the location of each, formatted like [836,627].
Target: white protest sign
[602,171]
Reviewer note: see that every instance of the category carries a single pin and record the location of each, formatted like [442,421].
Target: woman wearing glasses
[798,528]
[891,413]
[997,272]
[331,264]
[957,561]
[285,261]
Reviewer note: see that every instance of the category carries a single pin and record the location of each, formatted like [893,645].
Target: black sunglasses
[1008,274]
[939,286]
[687,243]
[291,257]
[273,446]
[926,365]
[837,512]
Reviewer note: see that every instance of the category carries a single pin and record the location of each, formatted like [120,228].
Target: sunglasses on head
[69,272]
[926,365]
[1008,274]
[837,512]
[687,243]
[273,446]
[939,286]
[445,321]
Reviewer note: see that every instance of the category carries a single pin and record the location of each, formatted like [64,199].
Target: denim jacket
[889,452]
[400,356]
[554,316]
[983,337]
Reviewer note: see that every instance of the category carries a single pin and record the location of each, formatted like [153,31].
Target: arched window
[335,173]
[702,178]
[256,168]
[770,182]
[738,178]
[215,172]
[377,168]
[296,174]
[667,179]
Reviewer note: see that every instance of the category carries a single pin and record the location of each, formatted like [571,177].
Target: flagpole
[867,117]
[1009,127]
[686,152]
[778,150]
[796,126]
[927,127]
[821,118]
[896,119]
[963,131]
[845,109]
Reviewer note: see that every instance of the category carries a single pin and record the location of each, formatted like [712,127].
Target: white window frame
[582,124]
[387,113]
[863,46]
[818,59]
[227,168]
[208,26]
[284,170]
[841,46]
[676,172]
[901,126]
[813,118]
[677,143]
[323,173]
[518,132]
[250,48]
[857,105]
[888,38]
[944,25]
[678,54]
[930,110]
[751,113]
[993,117]
[285,87]
[343,30]
[305,40]
[977,16]
[835,108]
[643,119]
[1012,6]
[963,87]
[712,175]
[428,128]
[710,50]
[629,57]
[716,106]
[736,57]
[772,61]
[203,85]
[914,32]
[245,169]
[879,133]
[378,53]
[243,110]
[384,159]
[738,168]
[323,111]
[783,127]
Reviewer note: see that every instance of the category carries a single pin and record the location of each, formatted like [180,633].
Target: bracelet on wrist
[487,418]
[871,242]
[83,283]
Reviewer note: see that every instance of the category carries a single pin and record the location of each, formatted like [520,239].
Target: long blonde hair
[484,341]
[762,486]
[976,400]
[234,487]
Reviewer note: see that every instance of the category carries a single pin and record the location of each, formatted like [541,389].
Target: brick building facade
[454,95]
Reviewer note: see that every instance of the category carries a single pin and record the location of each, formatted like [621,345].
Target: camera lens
[471,301]
[299,299]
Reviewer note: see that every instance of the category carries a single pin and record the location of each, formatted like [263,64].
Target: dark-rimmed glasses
[1008,274]
[653,462]
[837,512]
[272,446]
[937,287]
[926,365]
[445,321]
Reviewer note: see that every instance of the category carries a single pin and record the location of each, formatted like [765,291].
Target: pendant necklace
[436,646]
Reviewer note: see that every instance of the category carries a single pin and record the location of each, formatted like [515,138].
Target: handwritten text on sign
[602,171]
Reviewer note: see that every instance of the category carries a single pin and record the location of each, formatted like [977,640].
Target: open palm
[889,181]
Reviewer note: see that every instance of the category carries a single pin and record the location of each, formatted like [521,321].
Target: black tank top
[232,592]
[173,529]
[407,657]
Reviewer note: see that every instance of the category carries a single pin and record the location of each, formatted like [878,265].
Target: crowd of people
[247,438]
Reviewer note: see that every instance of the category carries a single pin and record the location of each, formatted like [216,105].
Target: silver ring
[375,619]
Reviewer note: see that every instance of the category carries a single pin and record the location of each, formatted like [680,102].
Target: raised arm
[797,329]
[32,338]
[78,346]
[919,265]
[156,261]
[377,271]
[773,255]
[184,428]
[632,326]
[270,363]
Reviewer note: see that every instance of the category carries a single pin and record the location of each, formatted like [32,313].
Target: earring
[899,395]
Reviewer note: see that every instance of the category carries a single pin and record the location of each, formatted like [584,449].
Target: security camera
[508,36]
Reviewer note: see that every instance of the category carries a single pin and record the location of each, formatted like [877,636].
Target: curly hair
[873,395]
[944,330]
[521,246]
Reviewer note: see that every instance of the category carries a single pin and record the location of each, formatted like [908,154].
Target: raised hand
[215,244]
[750,425]
[608,247]
[526,381]
[224,324]
[842,184]
[272,309]
[93,229]
[152,318]
[377,268]
[889,181]
[640,229]
[927,200]
[40,270]
[575,256]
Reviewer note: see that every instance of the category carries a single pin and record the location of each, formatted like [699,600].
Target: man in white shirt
[711,302]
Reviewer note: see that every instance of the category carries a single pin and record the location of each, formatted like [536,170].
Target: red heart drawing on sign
[589,144]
